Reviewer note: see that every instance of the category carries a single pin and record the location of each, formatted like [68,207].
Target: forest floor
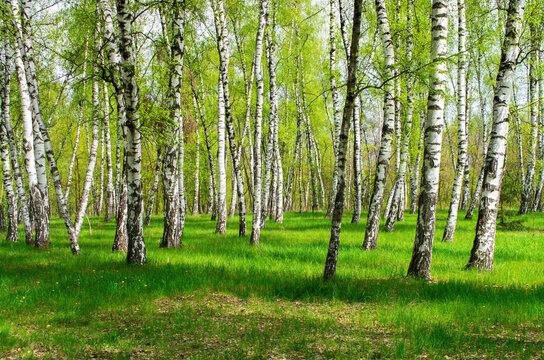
[220,298]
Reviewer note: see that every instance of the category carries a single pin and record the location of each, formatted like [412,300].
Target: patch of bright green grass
[219,297]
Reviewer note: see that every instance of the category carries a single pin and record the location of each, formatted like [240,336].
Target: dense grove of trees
[125,109]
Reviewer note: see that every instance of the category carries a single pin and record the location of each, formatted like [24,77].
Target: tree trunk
[483,248]
[136,246]
[23,201]
[357,161]
[465,194]
[172,176]
[414,183]
[257,181]
[334,242]
[451,223]
[533,105]
[420,265]
[154,188]
[110,194]
[196,196]
[11,198]
[335,103]
[37,198]
[384,156]
[221,226]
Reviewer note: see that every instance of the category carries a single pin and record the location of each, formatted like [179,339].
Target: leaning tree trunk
[336,226]
[223,48]
[34,92]
[257,169]
[133,147]
[475,201]
[11,197]
[483,249]
[451,223]
[335,103]
[420,265]
[533,101]
[154,188]
[384,156]
[37,198]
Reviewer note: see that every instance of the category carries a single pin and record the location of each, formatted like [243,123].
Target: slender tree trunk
[414,183]
[34,92]
[212,190]
[420,265]
[172,170]
[357,161]
[196,196]
[136,246]
[6,124]
[37,198]
[223,48]
[110,194]
[451,223]
[334,242]
[475,201]
[101,175]
[11,198]
[465,194]
[533,105]
[232,208]
[154,188]
[483,249]
[384,156]
[335,103]
[221,226]
[257,181]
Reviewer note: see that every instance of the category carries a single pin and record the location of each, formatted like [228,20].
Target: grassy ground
[218,297]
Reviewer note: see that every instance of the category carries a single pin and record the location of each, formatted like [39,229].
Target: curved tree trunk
[483,248]
[384,156]
[347,118]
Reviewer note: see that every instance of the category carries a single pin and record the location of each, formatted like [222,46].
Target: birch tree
[257,134]
[461,125]
[38,199]
[136,246]
[420,265]
[384,156]
[347,118]
[483,248]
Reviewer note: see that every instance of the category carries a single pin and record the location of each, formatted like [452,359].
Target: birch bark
[420,265]
[384,156]
[483,248]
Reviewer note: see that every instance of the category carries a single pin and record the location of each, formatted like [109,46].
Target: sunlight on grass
[218,297]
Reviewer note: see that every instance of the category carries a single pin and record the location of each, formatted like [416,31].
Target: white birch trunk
[420,265]
[384,156]
[257,181]
[38,200]
[347,118]
[462,147]
[110,193]
[483,248]
[136,246]
[154,188]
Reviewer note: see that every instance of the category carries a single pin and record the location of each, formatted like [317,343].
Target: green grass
[218,297]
